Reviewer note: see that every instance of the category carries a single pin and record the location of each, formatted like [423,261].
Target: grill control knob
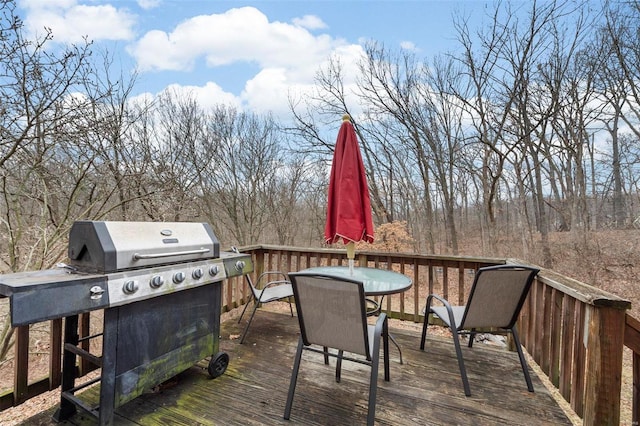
[197,273]
[130,287]
[214,270]
[240,265]
[178,277]
[96,292]
[156,281]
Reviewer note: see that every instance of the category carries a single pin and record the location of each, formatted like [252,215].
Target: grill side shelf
[49,294]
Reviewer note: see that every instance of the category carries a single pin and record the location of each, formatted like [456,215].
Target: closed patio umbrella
[349,207]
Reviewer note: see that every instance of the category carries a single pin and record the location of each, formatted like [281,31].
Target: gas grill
[159,284]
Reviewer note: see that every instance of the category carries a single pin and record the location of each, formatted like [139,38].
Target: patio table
[376,282]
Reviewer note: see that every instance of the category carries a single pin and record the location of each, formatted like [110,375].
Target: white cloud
[267,91]
[149,4]
[409,45]
[270,89]
[207,96]
[311,22]
[287,55]
[242,34]
[70,22]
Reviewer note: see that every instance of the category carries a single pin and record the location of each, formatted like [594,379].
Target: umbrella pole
[351,254]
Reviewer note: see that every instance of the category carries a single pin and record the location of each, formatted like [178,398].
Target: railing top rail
[632,333]
[574,288]
[581,291]
[394,255]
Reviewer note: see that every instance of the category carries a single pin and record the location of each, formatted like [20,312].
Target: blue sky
[248,53]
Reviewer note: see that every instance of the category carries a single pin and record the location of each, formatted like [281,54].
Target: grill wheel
[218,364]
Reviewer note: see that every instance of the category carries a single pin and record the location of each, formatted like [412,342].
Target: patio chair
[271,291]
[332,315]
[494,303]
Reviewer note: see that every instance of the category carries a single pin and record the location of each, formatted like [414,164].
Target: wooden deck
[426,389]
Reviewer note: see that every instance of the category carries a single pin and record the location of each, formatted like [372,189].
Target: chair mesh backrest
[497,295]
[331,312]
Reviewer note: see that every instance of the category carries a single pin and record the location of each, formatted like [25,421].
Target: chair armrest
[267,274]
[272,284]
[447,305]
[439,298]
[380,323]
[275,283]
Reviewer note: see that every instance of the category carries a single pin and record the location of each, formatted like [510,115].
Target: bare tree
[39,122]
[621,40]
[616,80]
[481,80]
[510,118]
[242,161]
[284,200]
[323,110]
[415,97]
[48,175]
[109,120]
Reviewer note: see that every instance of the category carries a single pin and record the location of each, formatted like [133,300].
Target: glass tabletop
[376,282]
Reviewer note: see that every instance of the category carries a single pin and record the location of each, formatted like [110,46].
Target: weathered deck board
[425,390]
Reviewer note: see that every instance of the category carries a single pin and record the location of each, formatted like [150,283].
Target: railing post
[605,343]
[21,373]
[635,411]
[259,266]
[55,358]
[632,341]
[84,328]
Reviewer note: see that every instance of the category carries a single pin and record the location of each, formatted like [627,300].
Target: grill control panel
[31,292]
[131,286]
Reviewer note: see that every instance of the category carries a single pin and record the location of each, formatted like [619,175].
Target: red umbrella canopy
[349,206]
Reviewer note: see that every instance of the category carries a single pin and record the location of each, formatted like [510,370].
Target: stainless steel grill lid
[105,247]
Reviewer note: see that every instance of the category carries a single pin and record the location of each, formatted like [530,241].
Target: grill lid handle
[138,256]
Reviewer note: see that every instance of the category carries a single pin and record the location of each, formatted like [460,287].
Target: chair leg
[294,379]
[385,350]
[246,329]
[425,324]
[290,307]
[326,355]
[463,371]
[339,365]
[393,340]
[472,336]
[523,360]
[373,382]
[245,308]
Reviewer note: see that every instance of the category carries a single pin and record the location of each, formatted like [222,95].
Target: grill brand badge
[168,233]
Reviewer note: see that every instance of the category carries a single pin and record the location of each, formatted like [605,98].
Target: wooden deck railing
[574,332]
